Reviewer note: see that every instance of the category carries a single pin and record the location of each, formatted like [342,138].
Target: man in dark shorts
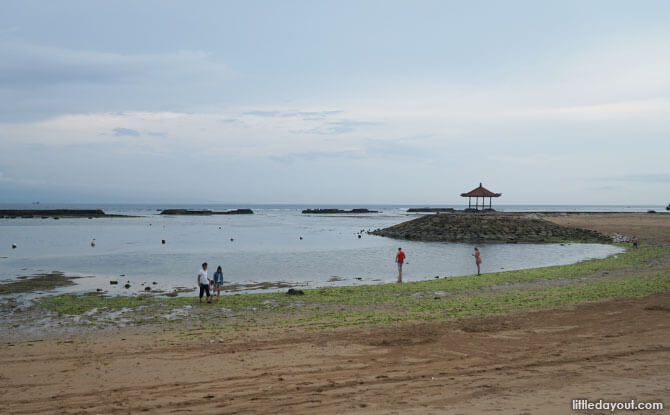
[400,259]
[203,282]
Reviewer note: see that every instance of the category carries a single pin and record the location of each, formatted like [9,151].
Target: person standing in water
[400,259]
[218,281]
[203,282]
[478,260]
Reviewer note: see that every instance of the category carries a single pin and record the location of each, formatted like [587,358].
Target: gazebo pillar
[483,193]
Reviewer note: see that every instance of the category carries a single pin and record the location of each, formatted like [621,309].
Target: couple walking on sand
[400,260]
[204,282]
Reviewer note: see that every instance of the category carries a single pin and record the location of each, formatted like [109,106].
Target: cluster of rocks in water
[428,210]
[55,213]
[329,211]
[488,227]
[617,237]
[206,212]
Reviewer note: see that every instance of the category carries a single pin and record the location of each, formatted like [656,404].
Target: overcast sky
[334,101]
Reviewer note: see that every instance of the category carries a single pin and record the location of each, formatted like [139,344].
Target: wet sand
[526,363]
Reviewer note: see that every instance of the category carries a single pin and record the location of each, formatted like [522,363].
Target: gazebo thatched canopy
[478,192]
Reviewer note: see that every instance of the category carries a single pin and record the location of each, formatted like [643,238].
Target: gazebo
[482,192]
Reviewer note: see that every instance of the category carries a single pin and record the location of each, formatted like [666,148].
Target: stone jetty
[488,227]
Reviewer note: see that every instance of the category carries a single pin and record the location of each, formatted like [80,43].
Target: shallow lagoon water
[266,247]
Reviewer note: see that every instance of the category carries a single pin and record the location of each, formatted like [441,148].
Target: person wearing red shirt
[400,259]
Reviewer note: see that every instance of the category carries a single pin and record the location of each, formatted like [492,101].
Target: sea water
[277,244]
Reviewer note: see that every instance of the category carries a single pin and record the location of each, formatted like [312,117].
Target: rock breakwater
[206,212]
[488,227]
[333,211]
[55,213]
[428,209]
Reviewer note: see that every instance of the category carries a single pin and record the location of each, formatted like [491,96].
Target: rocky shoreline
[488,227]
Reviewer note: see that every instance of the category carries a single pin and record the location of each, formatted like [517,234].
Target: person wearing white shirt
[203,282]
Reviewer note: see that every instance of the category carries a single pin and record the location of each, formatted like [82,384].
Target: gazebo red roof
[481,191]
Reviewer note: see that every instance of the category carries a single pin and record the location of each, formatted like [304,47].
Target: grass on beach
[629,274]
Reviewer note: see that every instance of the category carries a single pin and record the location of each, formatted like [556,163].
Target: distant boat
[36,203]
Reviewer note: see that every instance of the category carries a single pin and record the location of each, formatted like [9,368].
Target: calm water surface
[265,247]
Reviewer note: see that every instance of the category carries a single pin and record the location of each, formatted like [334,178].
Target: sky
[335,102]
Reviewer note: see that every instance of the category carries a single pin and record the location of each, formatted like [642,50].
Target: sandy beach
[529,362]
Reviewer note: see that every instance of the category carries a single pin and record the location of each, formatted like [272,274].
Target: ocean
[276,247]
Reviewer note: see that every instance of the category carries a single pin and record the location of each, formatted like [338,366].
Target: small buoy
[163,241]
[127,285]
[93,242]
[147,288]
[232,239]
[301,238]
[359,236]
[219,227]
[13,246]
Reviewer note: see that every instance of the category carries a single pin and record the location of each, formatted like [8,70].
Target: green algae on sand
[636,272]
[37,282]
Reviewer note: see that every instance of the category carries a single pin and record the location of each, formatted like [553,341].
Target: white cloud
[635,110]
[583,116]
[26,65]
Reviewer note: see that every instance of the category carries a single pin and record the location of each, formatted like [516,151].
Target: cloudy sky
[334,101]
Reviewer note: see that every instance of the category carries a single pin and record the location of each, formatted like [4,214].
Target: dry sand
[527,363]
